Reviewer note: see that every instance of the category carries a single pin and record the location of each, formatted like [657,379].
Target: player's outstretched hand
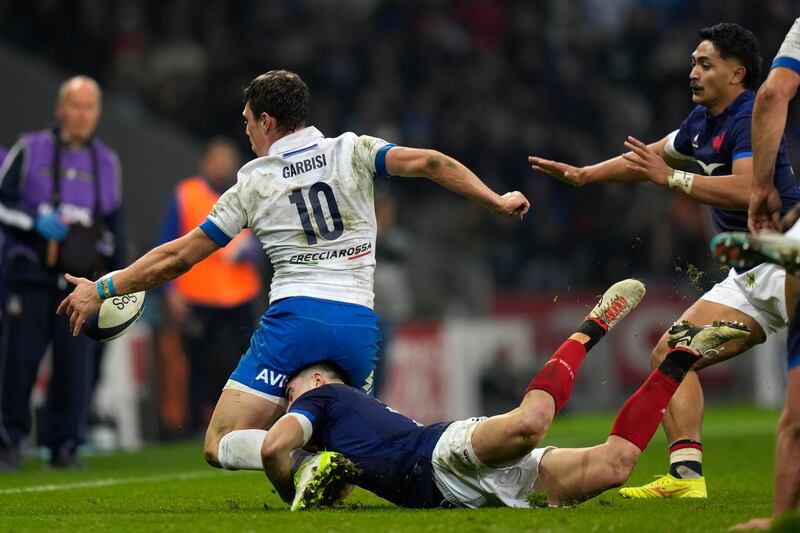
[764,211]
[755,523]
[560,171]
[82,302]
[513,204]
[646,161]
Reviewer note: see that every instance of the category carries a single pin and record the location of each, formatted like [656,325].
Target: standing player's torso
[312,208]
[715,151]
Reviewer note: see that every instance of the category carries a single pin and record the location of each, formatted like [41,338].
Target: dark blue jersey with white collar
[714,143]
[393,452]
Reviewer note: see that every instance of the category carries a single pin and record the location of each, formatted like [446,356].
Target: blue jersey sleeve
[740,138]
[312,405]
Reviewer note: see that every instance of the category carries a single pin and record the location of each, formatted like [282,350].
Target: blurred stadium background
[473,304]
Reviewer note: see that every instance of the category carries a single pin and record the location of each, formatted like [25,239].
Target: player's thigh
[238,409]
[506,438]
[705,312]
[572,475]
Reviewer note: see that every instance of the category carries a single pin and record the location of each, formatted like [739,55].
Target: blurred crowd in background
[487,81]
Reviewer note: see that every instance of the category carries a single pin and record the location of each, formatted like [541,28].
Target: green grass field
[169,488]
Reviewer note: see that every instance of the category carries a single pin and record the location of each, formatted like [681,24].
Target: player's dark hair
[328,367]
[280,94]
[734,41]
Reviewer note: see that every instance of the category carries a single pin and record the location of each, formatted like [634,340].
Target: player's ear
[738,74]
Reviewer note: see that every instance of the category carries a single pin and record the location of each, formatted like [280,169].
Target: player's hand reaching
[646,161]
[513,204]
[560,171]
[764,211]
[82,302]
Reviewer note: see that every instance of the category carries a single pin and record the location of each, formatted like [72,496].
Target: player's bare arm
[769,121]
[615,170]
[725,192]
[452,175]
[159,265]
[286,435]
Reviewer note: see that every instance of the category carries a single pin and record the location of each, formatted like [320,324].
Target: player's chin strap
[678,179]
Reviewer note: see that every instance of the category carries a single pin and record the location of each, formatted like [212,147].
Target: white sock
[241,449]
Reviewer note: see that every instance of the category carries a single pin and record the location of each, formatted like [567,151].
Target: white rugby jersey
[789,53]
[310,202]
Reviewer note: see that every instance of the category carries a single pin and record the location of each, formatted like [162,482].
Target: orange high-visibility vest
[217,280]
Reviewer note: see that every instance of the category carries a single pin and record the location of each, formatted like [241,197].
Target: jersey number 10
[323,229]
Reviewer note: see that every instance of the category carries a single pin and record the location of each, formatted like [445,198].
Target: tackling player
[716,136]
[769,121]
[480,462]
[309,200]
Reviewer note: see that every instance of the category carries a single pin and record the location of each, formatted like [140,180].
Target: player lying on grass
[480,461]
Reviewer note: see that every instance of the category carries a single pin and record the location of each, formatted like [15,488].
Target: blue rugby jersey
[392,451]
[714,143]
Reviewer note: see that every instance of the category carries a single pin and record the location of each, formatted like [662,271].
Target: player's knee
[621,466]
[211,448]
[532,428]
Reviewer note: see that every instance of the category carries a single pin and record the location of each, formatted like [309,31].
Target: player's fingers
[638,150]
[63,306]
[636,142]
[77,323]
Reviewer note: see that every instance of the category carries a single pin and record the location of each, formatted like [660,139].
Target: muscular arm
[726,192]
[452,175]
[157,266]
[283,437]
[165,262]
[769,120]
[615,170]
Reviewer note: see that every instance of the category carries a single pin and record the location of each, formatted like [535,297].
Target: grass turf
[169,488]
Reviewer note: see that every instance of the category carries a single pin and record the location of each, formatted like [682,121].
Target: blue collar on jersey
[734,107]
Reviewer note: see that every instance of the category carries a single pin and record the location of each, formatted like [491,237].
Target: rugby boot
[618,300]
[744,251]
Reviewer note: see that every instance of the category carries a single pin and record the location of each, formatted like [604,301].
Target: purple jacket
[26,190]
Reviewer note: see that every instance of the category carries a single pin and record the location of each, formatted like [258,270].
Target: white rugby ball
[115,317]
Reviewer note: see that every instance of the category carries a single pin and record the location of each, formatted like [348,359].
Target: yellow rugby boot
[668,486]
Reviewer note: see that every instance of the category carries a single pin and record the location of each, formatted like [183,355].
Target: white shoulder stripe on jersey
[673,152]
[305,423]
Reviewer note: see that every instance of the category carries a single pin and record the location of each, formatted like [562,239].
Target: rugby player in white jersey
[309,200]
[742,249]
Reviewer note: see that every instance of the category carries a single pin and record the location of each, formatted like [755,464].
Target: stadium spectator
[479,462]
[60,200]
[715,136]
[310,201]
[212,304]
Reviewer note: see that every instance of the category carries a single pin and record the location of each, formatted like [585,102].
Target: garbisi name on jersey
[352,252]
[318,161]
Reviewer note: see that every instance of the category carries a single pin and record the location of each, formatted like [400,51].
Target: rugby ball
[115,317]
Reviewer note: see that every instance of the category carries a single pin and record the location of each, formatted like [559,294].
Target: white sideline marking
[108,482]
